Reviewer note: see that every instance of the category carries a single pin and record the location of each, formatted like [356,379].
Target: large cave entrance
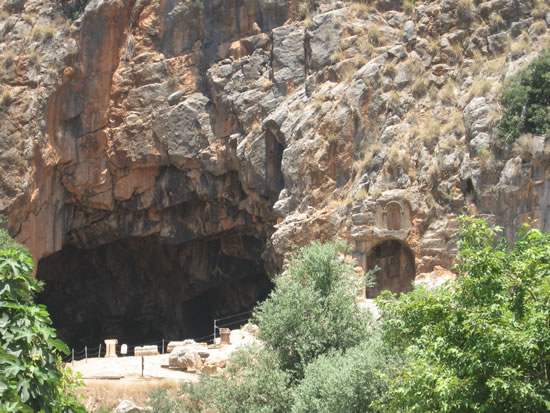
[397,269]
[141,289]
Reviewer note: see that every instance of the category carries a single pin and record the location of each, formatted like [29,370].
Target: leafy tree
[526,101]
[483,342]
[348,382]
[31,376]
[313,309]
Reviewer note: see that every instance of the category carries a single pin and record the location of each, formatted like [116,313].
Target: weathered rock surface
[161,159]
[127,406]
[186,357]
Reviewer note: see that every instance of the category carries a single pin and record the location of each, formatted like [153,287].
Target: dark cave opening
[140,290]
[397,269]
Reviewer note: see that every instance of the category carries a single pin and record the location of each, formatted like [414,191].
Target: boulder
[186,357]
[480,141]
[409,31]
[497,42]
[127,406]
[14,6]
[475,115]
[288,56]
[403,76]
[274,12]
[215,362]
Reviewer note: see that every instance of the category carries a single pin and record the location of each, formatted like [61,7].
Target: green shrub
[464,11]
[313,309]
[72,9]
[160,402]
[526,101]
[7,242]
[408,6]
[350,382]
[484,344]
[31,375]
[253,382]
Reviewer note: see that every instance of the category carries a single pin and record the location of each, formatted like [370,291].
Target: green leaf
[59,345]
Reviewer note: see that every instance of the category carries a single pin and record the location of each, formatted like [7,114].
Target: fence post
[72,357]
[86,353]
[162,346]
[214,342]
[99,354]
[142,365]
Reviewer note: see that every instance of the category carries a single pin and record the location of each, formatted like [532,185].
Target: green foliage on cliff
[313,309]
[31,376]
[526,101]
[482,343]
[7,242]
[72,9]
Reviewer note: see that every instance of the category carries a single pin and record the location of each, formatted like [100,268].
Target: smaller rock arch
[397,268]
[393,214]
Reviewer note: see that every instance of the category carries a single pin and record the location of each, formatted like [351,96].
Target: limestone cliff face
[241,128]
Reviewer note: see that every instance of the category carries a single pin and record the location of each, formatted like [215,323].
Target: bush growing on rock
[313,309]
[526,101]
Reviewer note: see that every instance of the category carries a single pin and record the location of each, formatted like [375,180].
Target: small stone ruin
[146,351]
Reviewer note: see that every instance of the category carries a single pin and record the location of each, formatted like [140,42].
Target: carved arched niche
[394,216]
[397,269]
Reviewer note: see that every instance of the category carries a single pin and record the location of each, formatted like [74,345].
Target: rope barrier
[234,315]
[99,350]
[205,337]
[245,320]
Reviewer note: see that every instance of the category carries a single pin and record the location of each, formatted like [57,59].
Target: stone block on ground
[173,344]
[146,351]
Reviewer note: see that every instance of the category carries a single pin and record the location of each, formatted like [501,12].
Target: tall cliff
[160,157]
